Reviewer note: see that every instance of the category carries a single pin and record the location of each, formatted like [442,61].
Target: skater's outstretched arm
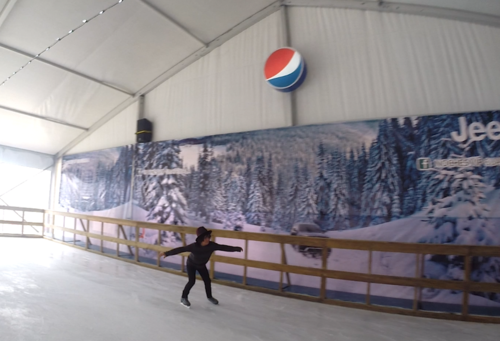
[178,250]
[227,248]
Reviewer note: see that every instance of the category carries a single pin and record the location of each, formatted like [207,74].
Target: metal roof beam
[171,20]
[45,118]
[60,67]
[394,7]
[175,69]
[4,13]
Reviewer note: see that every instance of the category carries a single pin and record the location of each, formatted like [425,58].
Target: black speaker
[144,131]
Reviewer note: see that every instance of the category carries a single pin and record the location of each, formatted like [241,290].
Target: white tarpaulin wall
[224,91]
[362,65]
[365,64]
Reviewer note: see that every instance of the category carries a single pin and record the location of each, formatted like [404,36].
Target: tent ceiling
[109,62]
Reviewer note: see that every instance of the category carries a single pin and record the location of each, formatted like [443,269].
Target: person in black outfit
[197,260]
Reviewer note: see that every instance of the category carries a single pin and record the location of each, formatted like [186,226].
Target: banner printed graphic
[430,179]
[98,183]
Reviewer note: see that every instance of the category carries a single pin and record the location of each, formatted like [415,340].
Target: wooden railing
[20,221]
[79,225]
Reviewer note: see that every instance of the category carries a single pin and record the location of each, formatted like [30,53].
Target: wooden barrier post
[44,223]
[87,240]
[137,241]
[117,244]
[368,285]
[285,262]
[183,259]
[324,266]
[158,257]
[64,225]
[22,226]
[53,223]
[465,293]
[212,266]
[74,234]
[101,248]
[245,266]
[417,288]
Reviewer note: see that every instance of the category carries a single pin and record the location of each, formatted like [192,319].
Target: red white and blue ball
[285,69]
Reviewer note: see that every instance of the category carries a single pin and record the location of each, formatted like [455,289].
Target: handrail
[22,222]
[418,282]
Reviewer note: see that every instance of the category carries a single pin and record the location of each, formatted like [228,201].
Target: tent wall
[118,131]
[365,64]
[224,91]
[361,64]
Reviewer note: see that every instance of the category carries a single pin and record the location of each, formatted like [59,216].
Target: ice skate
[185,302]
[213,301]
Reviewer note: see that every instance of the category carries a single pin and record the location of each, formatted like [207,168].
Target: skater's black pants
[191,271]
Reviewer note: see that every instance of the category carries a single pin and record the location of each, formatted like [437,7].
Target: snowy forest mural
[429,179]
[96,181]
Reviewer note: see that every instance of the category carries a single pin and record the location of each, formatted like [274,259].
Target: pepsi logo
[285,69]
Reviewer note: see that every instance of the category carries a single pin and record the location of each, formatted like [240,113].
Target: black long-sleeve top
[200,255]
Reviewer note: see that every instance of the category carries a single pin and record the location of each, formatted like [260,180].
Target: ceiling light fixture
[85,21]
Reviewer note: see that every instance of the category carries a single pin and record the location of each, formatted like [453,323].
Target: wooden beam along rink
[14,208]
[13,222]
[344,275]
[362,245]
[392,310]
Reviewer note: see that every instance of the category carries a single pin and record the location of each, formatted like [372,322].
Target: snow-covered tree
[459,215]
[236,191]
[307,203]
[381,202]
[171,205]
[203,174]
[339,200]
[293,198]
[270,191]
[322,188]
[280,207]
[255,205]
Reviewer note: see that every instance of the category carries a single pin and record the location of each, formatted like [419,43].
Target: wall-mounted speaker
[144,131]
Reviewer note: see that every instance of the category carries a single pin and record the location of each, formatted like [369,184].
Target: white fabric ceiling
[97,71]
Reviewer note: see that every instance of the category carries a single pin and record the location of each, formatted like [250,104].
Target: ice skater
[201,251]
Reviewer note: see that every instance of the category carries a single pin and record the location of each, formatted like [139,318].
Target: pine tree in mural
[354,197]
[270,191]
[339,199]
[217,205]
[280,207]
[292,198]
[381,202]
[459,216]
[362,165]
[322,189]
[307,203]
[192,189]
[236,191]
[435,143]
[171,205]
[248,182]
[148,190]
[255,205]
[409,172]
[204,168]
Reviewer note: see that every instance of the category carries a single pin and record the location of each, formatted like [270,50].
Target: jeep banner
[428,179]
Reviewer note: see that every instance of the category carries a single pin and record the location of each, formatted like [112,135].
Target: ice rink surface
[52,292]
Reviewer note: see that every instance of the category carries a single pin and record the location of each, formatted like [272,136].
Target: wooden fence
[80,225]
[20,221]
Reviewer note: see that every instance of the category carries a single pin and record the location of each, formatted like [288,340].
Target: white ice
[53,292]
